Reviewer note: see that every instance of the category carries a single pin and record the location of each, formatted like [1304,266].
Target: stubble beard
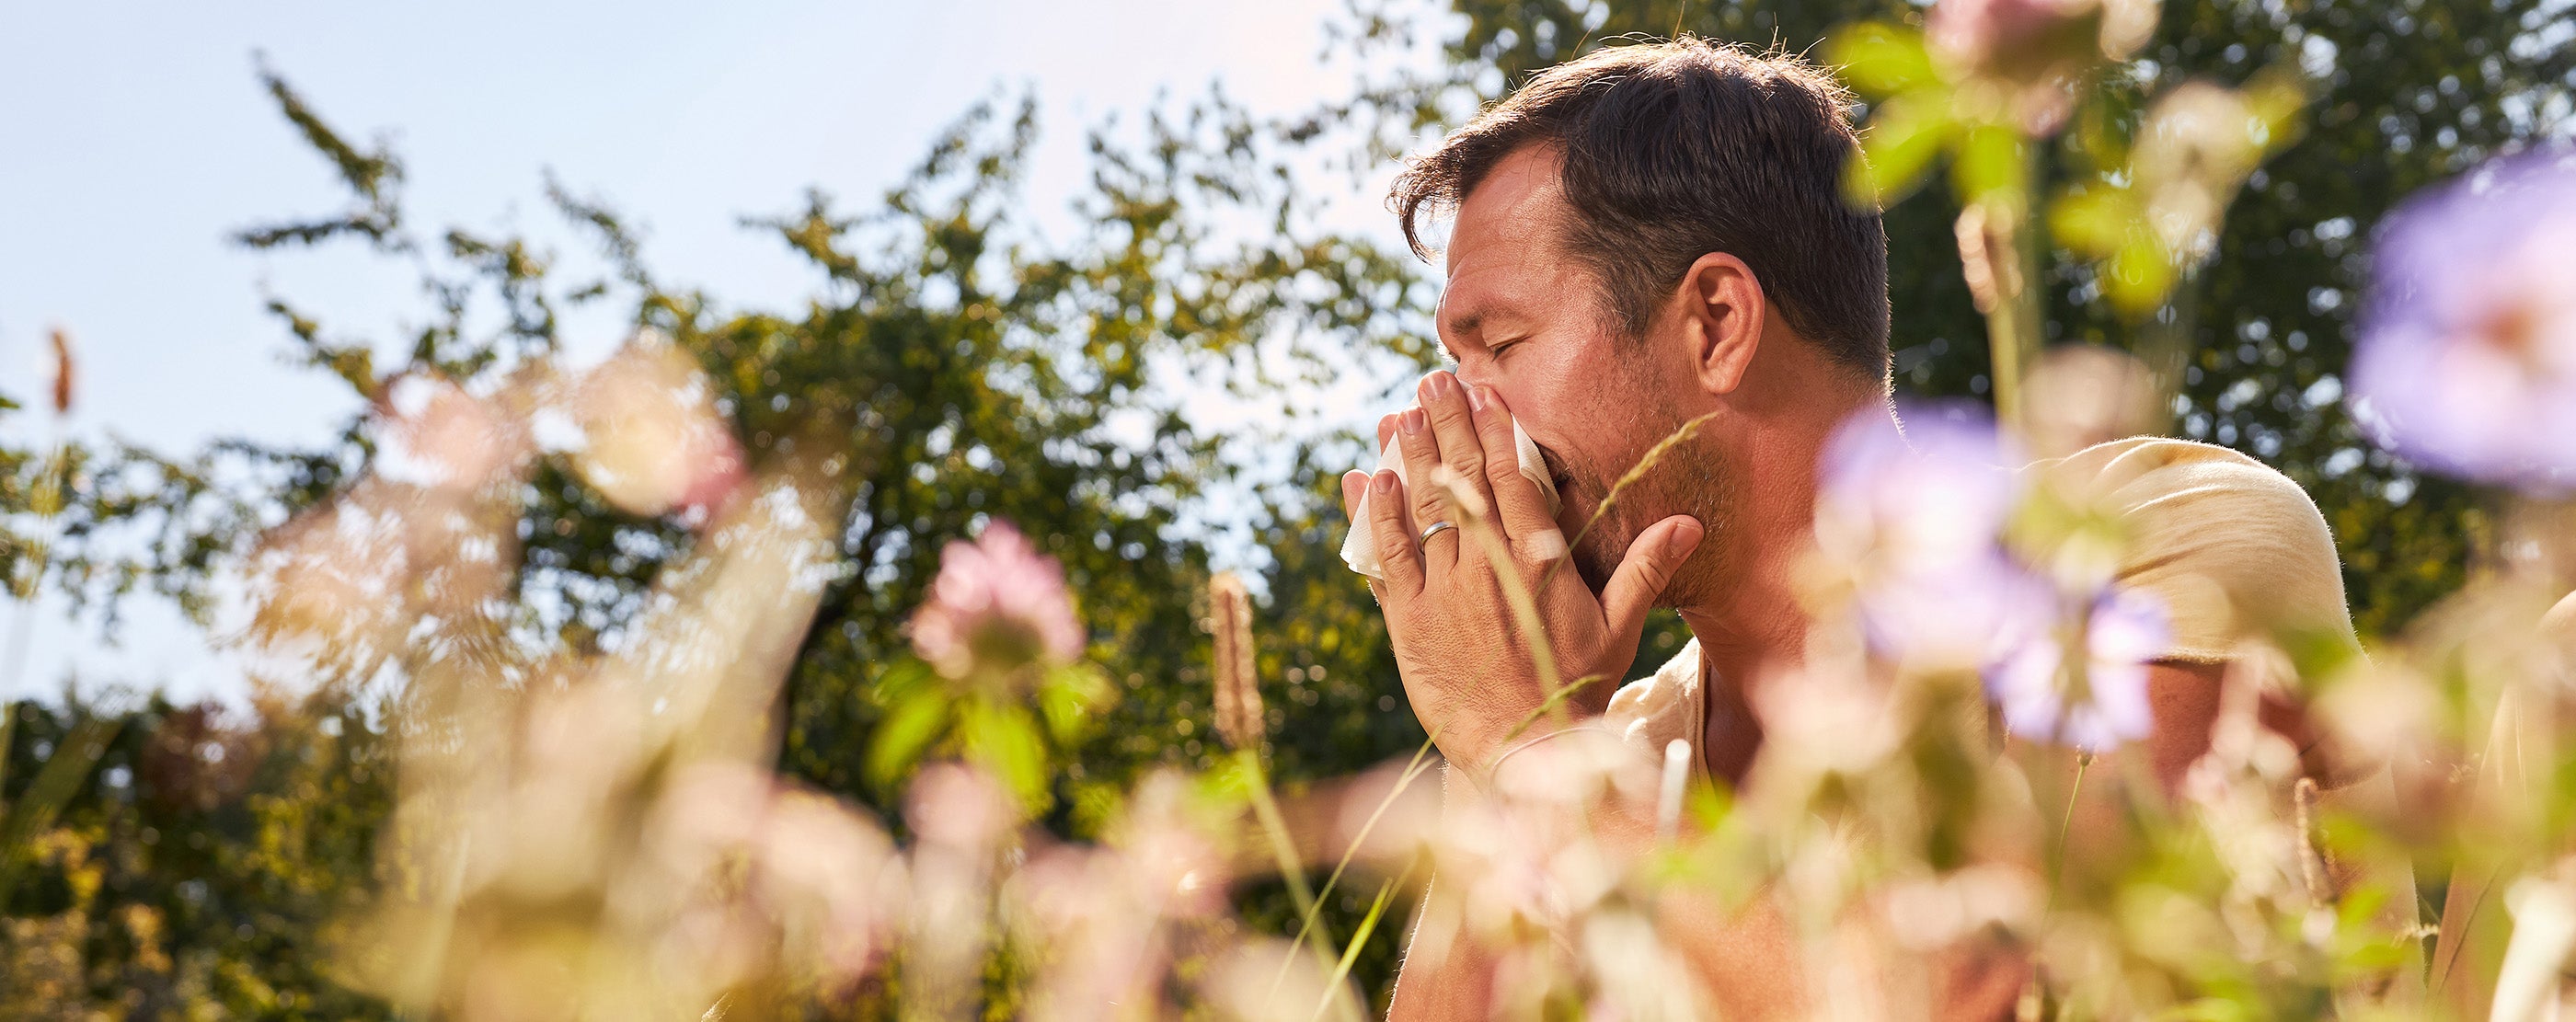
[1691,479]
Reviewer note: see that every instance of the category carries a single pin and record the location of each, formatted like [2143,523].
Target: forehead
[1504,239]
[1514,211]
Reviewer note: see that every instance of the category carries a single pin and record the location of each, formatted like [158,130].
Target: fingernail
[1682,540]
[1383,482]
[1435,383]
[1476,397]
[1412,420]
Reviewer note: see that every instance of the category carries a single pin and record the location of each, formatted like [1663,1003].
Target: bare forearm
[1446,975]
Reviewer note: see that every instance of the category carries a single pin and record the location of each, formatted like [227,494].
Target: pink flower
[996,606]
[2037,49]
[652,440]
[433,433]
[1980,32]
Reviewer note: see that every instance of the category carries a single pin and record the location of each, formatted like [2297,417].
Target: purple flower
[1916,518]
[2043,699]
[2466,358]
[997,606]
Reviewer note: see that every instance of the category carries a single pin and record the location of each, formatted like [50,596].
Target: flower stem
[2066,824]
[1283,847]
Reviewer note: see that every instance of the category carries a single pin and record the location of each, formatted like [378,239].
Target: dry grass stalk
[1645,463]
[62,371]
[1238,689]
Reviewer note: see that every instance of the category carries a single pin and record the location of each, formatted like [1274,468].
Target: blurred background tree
[974,373]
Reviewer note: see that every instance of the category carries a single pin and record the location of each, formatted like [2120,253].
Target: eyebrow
[1469,322]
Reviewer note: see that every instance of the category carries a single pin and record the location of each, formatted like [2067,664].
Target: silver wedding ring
[1434,530]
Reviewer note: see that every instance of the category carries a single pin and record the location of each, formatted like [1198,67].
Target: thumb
[1652,559]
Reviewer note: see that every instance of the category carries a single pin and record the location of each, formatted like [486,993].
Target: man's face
[1522,316]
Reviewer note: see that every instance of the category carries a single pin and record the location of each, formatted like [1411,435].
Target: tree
[962,374]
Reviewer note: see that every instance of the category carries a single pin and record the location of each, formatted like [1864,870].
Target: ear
[1722,312]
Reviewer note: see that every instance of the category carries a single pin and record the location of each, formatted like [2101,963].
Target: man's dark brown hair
[1677,149]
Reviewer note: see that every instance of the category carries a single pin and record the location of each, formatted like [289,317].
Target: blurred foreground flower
[999,629]
[434,433]
[2466,359]
[2094,699]
[2152,217]
[997,606]
[2028,53]
[651,438]
[2082,395]
[1914,519]
[1914,525]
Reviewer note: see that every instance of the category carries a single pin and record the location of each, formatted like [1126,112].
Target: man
[1656,234]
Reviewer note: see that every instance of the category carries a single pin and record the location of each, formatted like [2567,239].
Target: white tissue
[1359,549]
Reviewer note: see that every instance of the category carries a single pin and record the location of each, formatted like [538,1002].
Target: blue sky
[135,138]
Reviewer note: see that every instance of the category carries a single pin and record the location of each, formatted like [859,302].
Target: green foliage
[200,870]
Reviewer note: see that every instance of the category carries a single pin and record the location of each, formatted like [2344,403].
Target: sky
[135,139]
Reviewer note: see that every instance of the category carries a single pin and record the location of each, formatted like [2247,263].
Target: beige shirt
[2236,551]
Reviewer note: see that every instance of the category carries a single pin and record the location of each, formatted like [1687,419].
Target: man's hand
[1469,667]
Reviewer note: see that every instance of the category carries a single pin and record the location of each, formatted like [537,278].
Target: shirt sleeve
[2234,549]
[1652,711]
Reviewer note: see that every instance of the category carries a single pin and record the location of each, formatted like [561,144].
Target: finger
[1518,504]
[1643,575]
[1430,500]
[1461,451]
[1354,486]
[1400,562]
[1385,431]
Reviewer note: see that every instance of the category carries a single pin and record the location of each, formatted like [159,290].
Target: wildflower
[2036,48]
[1238,689]
[996,606]
[2081,394]
[1914,518]
[1985,34]
[433,433]
[2042,697]
[2466,359]
[651,440]
[2198,144]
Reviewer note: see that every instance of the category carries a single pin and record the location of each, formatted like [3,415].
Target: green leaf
[1992,164]
[54,786]
[904,733]
[1880,59]
[1004,740]
[2095,221]
[1066,699]
[901,681]
[1903,137]
[2138,275]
